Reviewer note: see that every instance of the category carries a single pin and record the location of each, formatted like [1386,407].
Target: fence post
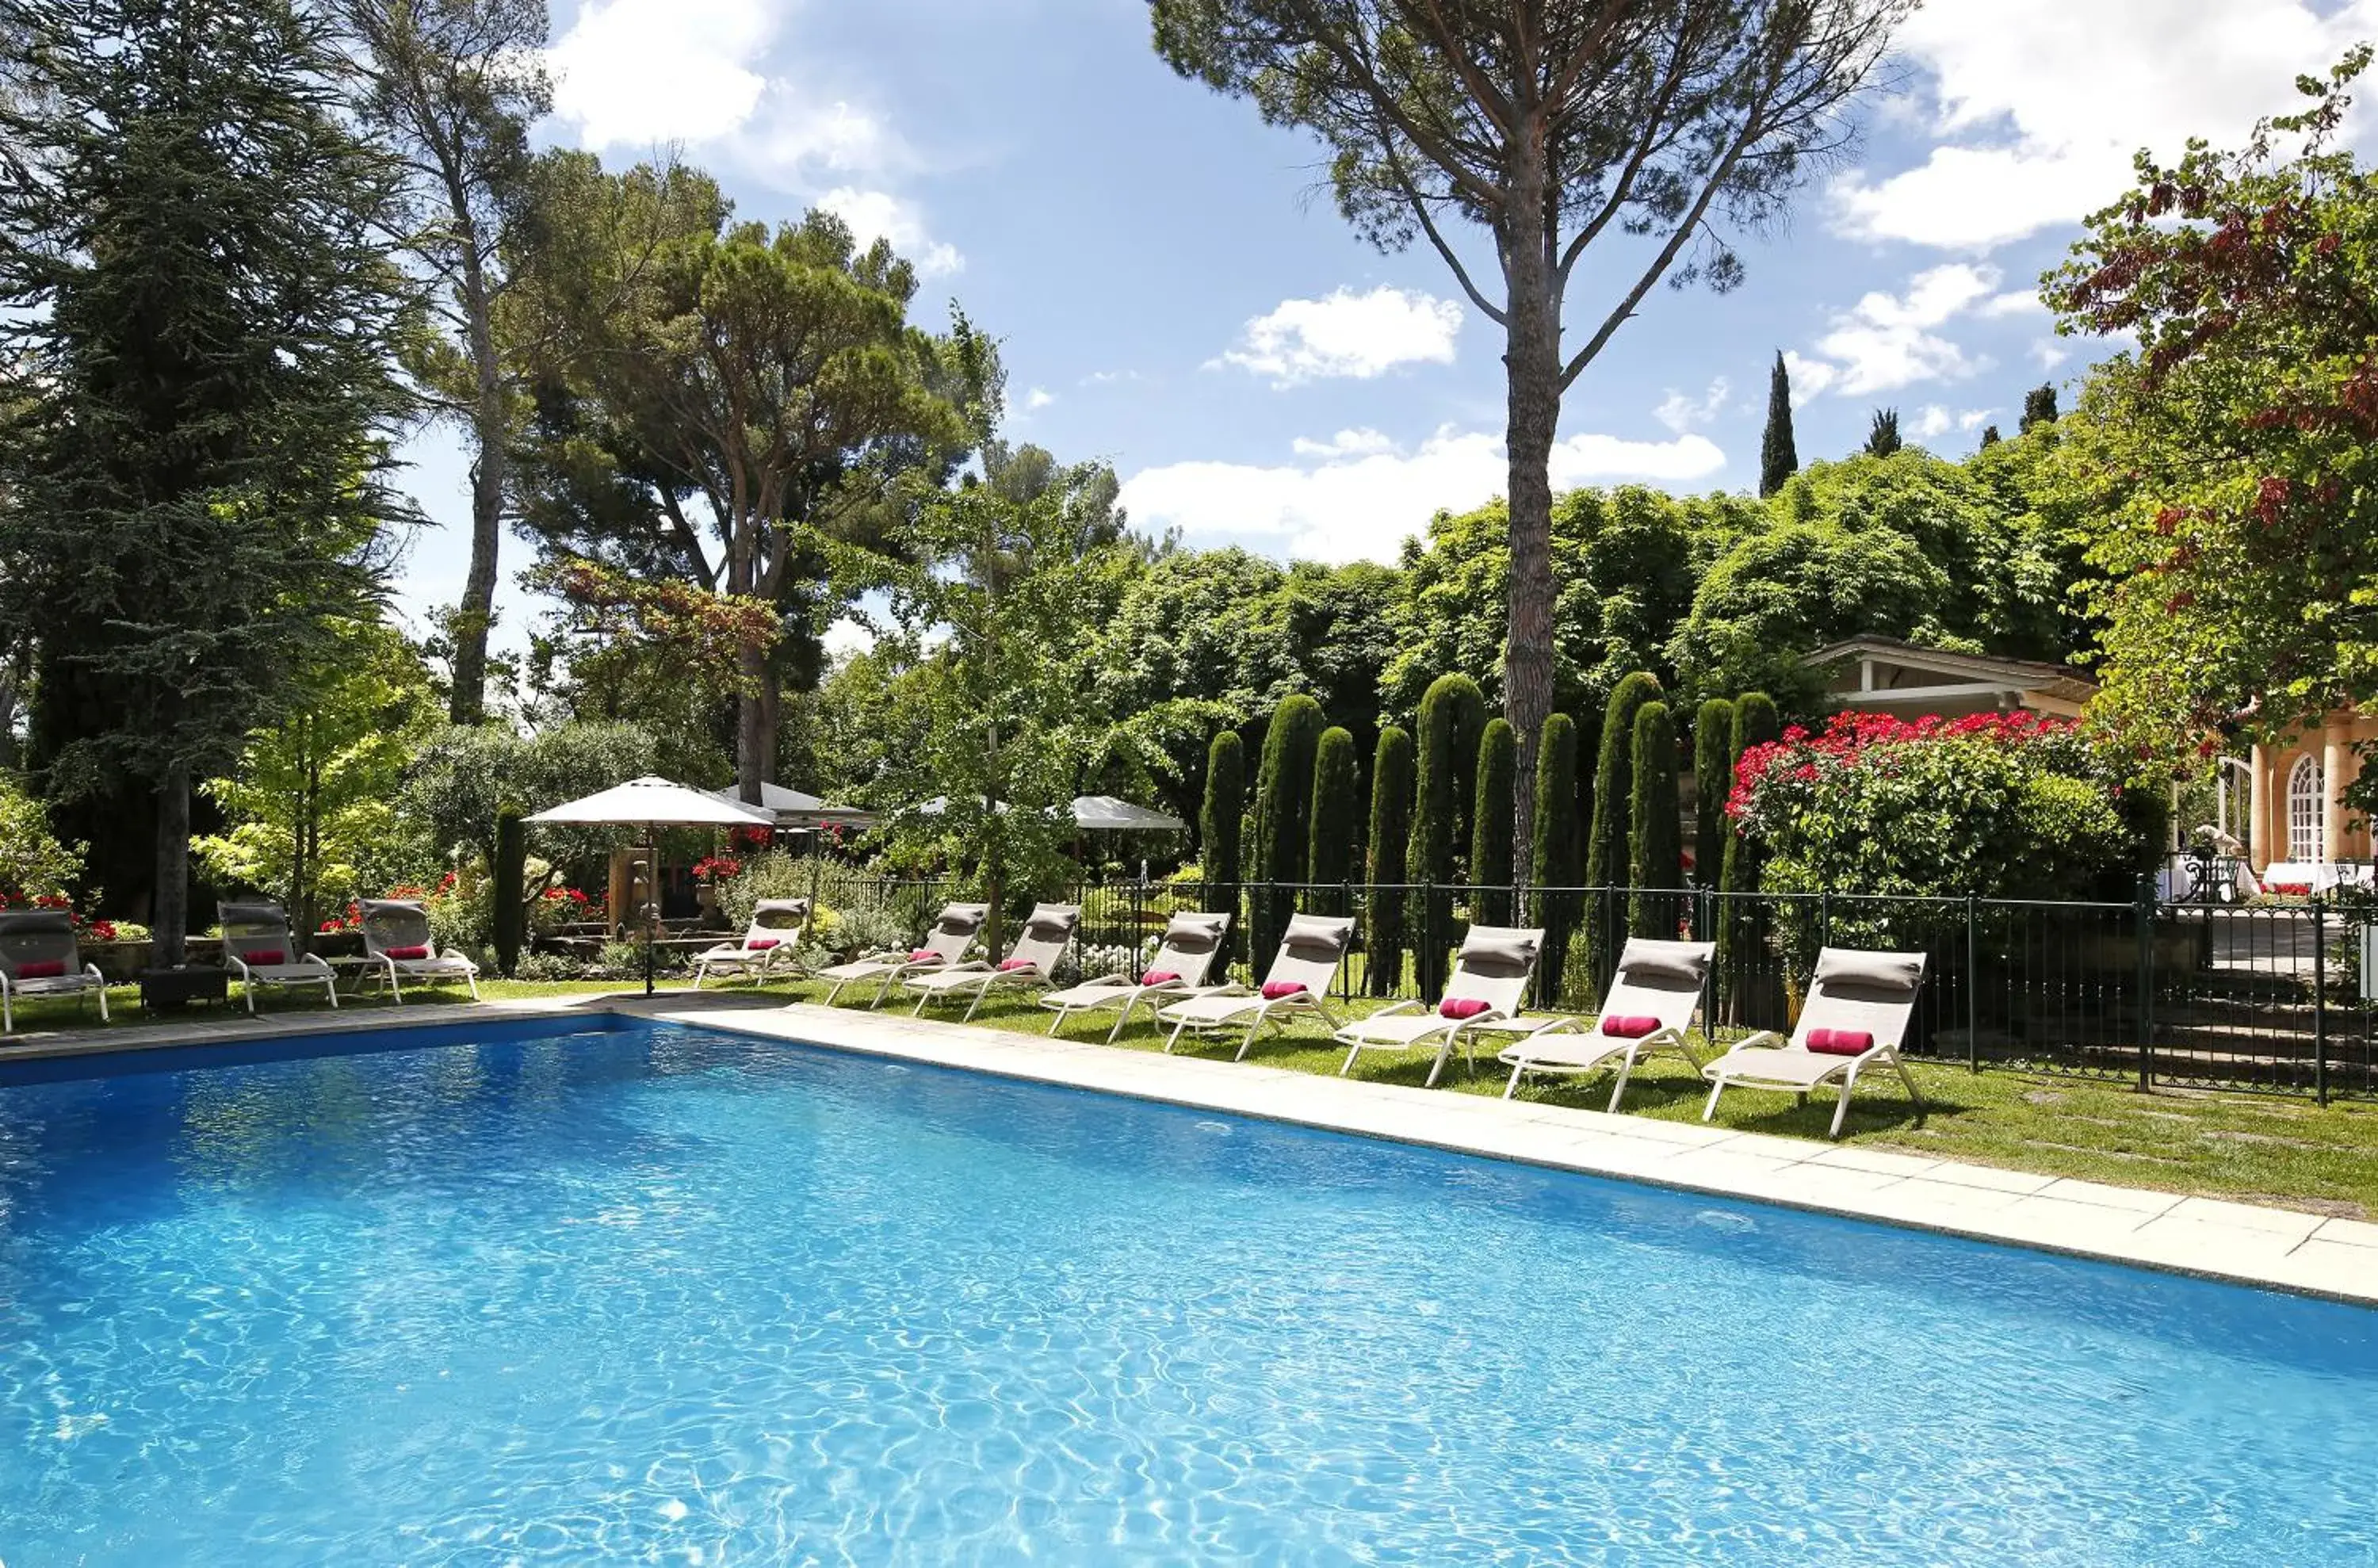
[1973,993]
[1424,961]
[2142,916]
[2319,999]
[1346,970]
[1138,911]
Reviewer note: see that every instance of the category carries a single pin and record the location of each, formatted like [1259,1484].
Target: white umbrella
[1107,814]
[799,809]
[653,804]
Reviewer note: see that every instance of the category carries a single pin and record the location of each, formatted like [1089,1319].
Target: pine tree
[1452,714]
[1489,822]
[2038,408]
[1551,862]
[1283,815]
[1656,860]
[1607,840]
[1391,809]
[1742,920]
[1219,826]
[1712,781]
[1882,439]
[1779,456]
[199,336]
[1335,798]
[1991,435]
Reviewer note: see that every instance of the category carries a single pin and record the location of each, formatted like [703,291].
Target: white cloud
[2039,103]
[875,215]
[1358,495]
[1888,340]
[1357,335]
[846,637]
[2049,353]
[1681,413]
[638,73]
[1038,399]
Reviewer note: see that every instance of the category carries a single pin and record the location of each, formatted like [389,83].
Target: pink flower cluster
[1848,736]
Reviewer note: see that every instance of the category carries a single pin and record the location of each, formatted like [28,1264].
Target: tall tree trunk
[1531,362]
[170,920]
[753,737]
[476,615]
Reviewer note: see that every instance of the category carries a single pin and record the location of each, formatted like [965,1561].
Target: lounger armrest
[1118,978]
[1765,1039]
[1404,1006]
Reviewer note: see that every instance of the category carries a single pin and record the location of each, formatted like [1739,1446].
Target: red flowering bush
[715,869]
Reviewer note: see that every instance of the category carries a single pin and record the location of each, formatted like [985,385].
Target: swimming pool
[659,1294]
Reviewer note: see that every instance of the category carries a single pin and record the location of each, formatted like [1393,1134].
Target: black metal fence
[2263,996]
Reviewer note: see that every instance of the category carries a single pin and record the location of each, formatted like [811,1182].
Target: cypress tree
[1452,713]
[1779,456]
[2038,408]
[1991,435]
[1552,858]
[1656,859]
[1333,814]
[200,352]
[1882,439]
[1712,781]
[1742,922]
[1219,826]
[1391,809]
[1607,839]
[1284,815]
[509,892]
[1489,822]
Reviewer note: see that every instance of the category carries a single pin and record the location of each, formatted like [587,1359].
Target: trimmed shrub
[1747,987]
[1713,782]
[1655,860]
[1489,822]
[1335,794]
[1608,837]
[1552,858]
[511,878]
[1452,711]
[1284,813]
[1391,809]
[1218,825]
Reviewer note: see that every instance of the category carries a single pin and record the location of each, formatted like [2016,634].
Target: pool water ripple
[665,1296]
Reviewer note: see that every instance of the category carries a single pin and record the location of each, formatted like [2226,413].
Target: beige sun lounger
[953,931]
[259,949]
[773,941]
[397,938]
[1869,998]
[1488,986]
[1030,964]
[1297,981]
[1186,955]
[38,958]
[1657,983]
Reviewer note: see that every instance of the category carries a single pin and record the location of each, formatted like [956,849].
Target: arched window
[2306,793]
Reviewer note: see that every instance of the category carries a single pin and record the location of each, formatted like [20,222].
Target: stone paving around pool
[2276,1247]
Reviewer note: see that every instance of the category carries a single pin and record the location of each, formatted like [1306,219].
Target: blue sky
[1177,295]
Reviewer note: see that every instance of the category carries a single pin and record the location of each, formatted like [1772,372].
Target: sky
[1176,294]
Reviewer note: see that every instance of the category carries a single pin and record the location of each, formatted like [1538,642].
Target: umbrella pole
[651,896]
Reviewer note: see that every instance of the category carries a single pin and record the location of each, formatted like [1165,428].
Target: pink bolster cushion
[1008,964]
[1628,1026]
[1460,1007]
[924,956]
[1273,990]
[406,955]
[1159,977]
[275,957]
[47,968]
[762,945]
[1841,1041]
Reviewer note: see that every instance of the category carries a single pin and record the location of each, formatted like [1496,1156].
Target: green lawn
[2259,1148]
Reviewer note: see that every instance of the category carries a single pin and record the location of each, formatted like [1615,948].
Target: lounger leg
[1444,1049]
[1908,1078]
[1627,1070]
[473,982]
[102,1004]
[1262,1017]
[1351,1052]
[1175,1040]
[1715,1090]
[1123,1017]
[1513,1087]
[979,993]
[7,1014]
[918,1011]
[1842,1105]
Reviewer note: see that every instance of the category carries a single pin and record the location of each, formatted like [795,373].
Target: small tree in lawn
[1218,827]
[1336,796]
[1489,824]
[1607,840]
[1743,924]
[1551,861]
[1882,439]
[1779,454]
[1712,781]
[1658,868]
[1283,814]
[1452,711]
[1391,812]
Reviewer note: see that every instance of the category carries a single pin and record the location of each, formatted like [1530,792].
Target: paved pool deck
[2244,1242]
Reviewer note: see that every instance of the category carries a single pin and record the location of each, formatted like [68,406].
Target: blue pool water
[671,1297]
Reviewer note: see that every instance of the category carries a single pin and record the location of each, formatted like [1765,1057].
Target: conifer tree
[1991,435]
[1655,818]
[1332,816]
[1779,454]
[1452,713]
[1490,823]
[1607,840]
[1712,781]
[1551,862]
[1882,439]
[1391,809]
[1218,825]
[1742,922]
[1284,815]
[2038,408]
[199,336]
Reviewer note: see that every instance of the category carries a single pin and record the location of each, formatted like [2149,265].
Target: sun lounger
[1488,985]
[1648,1007]
[260,950]
[397,937]
[1186,955]
[1030,964]
[953,931]
[1298,982]
[1857,1014]
[771,942]
[38,958]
